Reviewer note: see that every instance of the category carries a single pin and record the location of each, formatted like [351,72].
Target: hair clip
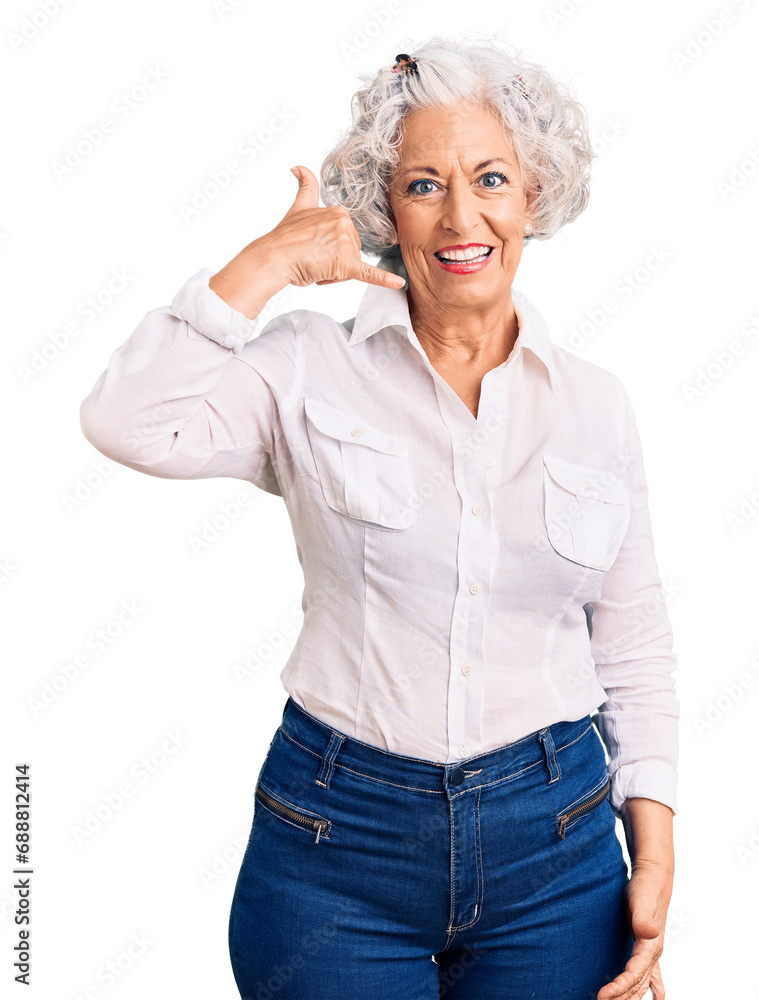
[405,64]
[520,85]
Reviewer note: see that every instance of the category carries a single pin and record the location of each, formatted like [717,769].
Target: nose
[459,212]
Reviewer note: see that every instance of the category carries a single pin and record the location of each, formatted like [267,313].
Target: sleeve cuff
[208,314]
[648,779]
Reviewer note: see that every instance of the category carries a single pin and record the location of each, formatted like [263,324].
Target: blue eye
[491,173]
[496,173]
[422,180]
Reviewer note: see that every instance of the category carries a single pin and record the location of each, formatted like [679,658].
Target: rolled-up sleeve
[189,395]
[631,645]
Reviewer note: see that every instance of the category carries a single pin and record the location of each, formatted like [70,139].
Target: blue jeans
[370,875]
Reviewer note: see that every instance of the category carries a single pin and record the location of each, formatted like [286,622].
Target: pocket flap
[585,481]
[346,427]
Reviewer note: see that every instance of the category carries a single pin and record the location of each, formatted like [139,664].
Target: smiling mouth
[443,256]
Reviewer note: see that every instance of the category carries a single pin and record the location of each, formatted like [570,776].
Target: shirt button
[357,432]
[478,510]
[474,588]
[497,386]
[466,669]
[590,487]
[463,751]
[488,462]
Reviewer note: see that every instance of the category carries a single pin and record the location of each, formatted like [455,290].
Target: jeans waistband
[338,749]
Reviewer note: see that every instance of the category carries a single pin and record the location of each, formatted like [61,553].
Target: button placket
[474,453]
[466,682]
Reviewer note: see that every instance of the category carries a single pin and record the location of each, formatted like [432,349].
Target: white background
[674,172]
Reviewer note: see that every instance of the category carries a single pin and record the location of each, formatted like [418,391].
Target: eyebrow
[431,170]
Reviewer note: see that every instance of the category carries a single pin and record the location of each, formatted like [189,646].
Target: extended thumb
[307,195]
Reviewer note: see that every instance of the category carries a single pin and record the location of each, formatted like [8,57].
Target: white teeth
[469,254]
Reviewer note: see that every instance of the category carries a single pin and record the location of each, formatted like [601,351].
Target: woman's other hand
[648,826]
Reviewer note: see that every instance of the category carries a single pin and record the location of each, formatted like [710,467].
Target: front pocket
[580,807]
[298,817]
[364,472]
[586,518]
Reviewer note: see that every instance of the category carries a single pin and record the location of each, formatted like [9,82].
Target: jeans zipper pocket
[317,823]
[591,803]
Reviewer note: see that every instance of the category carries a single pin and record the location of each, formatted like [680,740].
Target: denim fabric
[375,876]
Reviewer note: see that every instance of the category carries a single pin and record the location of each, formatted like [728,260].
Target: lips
[470,266]
[448,255]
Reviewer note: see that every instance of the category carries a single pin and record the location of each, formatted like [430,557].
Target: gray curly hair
[545,124]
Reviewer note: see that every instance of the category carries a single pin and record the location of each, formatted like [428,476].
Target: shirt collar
[388,307]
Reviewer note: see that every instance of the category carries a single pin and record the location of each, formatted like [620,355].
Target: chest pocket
[364,472]
[586,518]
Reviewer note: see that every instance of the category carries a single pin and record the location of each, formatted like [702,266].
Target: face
[441,196]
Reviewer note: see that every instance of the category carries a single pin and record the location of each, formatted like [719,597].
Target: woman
[470,511]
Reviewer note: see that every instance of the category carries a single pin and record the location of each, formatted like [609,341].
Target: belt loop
[549,750]
[328,760]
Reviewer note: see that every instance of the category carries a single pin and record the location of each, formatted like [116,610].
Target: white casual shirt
[467,581]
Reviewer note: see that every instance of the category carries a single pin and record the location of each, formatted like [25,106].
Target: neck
[480,336]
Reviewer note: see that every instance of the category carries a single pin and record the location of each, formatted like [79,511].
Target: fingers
[641,969]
